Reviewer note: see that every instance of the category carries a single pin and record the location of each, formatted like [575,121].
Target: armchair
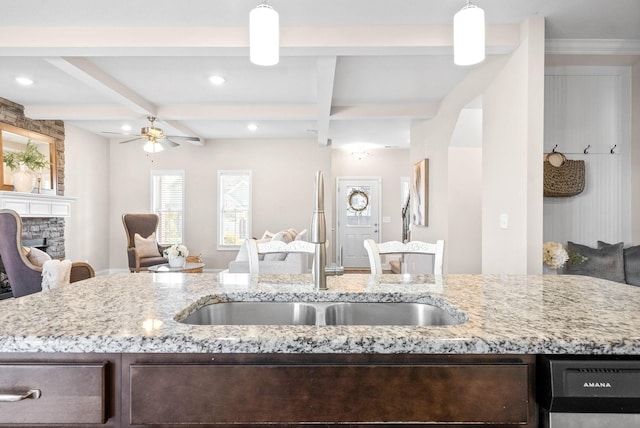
[142,248]
[25,277]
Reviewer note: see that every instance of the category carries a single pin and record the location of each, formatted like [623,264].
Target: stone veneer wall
[50,228]
[13,114]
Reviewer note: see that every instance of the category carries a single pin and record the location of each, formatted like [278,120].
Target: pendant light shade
[468,35]
[152,146]
[264,35]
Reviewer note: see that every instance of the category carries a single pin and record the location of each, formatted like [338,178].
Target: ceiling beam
[325,75]
[179,112]
[388,111]
[234,41]
[90,74]
[87,72]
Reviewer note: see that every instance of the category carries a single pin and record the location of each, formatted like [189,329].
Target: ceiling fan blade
[117,133]
[167,143]
[132,139]
[182,138]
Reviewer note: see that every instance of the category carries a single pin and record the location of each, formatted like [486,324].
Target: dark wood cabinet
[218,390]
[72,390]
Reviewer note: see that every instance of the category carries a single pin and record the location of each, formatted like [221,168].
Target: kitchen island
[156,370]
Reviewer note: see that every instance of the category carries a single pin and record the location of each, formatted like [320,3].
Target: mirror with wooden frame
[15,140]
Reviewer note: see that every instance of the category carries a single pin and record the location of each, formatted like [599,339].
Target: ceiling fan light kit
[157,141]
[468,35]
[264,35]
[152,146]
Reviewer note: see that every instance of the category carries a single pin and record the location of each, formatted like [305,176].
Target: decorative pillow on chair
[283,236]
[37,257]
[146,247]
[631,263]
[606,262]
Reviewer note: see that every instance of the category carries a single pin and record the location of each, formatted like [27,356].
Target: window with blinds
[234,207]
[167,200]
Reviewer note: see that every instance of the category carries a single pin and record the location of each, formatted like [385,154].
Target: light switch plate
[504,221]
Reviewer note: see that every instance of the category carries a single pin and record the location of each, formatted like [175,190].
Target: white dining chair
[375,249]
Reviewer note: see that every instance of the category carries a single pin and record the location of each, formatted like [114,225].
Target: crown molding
[593,46]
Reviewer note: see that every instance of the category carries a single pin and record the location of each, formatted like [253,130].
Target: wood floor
[357,270]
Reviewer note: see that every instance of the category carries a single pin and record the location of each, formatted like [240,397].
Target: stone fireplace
[39,226]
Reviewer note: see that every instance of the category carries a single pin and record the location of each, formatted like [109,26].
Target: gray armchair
[144,225]
[25,277]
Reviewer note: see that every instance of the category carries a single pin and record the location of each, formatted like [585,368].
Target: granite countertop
[132,313]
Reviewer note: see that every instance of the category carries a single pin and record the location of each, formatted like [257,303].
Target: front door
[358,217]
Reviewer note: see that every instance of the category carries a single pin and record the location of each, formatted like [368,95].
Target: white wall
[87,170]
[635,152]
[512,88]
[283,173]
[431,139]
[590,106]
[513,115]
[465,193]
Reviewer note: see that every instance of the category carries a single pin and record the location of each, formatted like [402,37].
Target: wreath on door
[358,201]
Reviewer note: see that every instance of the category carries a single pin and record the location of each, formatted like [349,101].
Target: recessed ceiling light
[24,81]
[252,127]
[126,128]
[217,80]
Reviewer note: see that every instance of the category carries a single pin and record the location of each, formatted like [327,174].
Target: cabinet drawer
[200,393]
[69,393]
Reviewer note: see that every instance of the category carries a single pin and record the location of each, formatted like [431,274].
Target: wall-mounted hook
[586,150]
[554,149]
[613,148]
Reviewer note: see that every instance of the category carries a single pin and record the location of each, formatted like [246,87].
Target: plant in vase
[23,164]
[176,254]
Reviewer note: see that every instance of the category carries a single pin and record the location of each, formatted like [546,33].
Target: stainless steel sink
[387,314]
[254,313]
[320,313]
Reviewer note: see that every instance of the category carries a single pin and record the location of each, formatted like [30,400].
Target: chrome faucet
[319,235]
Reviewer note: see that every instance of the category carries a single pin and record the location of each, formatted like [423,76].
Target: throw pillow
[302,236]
[37,257]
[606,262]
[146,247]
[631,263]
[283,236]
[293,233]
[267,235]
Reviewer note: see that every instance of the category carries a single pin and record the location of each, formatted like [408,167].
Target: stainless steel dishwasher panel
[588,391]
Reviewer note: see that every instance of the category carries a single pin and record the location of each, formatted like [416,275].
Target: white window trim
[219,246]
[159,172]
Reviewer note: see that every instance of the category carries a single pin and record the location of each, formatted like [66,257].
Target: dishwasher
[588,391]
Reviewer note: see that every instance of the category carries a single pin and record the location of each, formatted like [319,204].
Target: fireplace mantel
[36,204]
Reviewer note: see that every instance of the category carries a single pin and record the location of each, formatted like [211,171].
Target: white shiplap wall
[590,106]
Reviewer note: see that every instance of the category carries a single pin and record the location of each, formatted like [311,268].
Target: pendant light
[264,35]
[468,35]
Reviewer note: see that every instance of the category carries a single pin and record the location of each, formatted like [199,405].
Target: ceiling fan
[157,141]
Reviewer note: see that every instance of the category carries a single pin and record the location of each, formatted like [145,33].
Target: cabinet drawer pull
[32,393]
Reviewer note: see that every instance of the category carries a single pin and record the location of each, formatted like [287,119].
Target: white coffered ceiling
[351,71]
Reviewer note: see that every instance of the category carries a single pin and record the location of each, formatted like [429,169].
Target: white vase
[546,270]
[22,180]
[176,262]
